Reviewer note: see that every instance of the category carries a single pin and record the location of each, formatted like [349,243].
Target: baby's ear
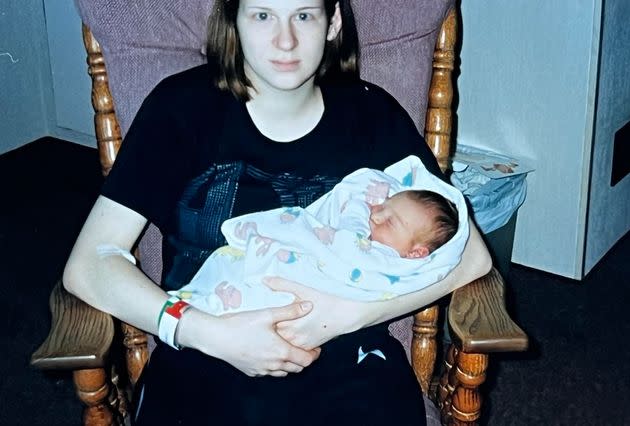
[417,252]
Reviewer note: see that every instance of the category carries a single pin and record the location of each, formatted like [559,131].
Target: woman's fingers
[290,367]
[264,351]
[294,355]
[284,369]
[291,312]
[301,357]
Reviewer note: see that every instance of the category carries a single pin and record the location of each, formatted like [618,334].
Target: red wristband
[168,320]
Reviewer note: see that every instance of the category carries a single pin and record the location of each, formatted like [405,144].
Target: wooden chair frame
[477,317]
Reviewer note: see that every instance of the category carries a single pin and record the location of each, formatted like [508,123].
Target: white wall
[527,85]
[25,94]
[609,209]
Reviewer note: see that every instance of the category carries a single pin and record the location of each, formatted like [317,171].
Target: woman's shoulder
[187,96]
[198,75]
[379,123]
[367,99]
[360,89]
[187,85]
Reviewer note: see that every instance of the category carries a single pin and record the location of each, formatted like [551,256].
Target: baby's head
[414,223]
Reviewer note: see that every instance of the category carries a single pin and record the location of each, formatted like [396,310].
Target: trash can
[494,186]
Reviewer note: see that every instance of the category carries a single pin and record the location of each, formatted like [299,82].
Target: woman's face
[282,40]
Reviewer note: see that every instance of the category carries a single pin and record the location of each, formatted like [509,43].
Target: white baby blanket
[325,246]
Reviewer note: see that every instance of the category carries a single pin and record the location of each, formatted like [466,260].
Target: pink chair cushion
[397,39]
[144,41]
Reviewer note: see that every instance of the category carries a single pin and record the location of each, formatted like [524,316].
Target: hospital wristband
[169,318]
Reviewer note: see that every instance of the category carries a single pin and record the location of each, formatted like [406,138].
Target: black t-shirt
[193,158]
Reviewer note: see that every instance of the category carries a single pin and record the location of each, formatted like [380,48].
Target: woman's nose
[285,39]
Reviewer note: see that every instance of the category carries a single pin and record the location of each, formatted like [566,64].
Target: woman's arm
[116,286]
[333,316]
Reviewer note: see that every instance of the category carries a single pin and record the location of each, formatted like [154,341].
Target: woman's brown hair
[340,60]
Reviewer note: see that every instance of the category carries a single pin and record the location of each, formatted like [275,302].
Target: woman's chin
[288,81]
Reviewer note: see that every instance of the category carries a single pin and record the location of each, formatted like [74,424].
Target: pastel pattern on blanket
[325,246]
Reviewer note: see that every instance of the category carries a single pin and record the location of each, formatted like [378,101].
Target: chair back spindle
[439,111]
[438,137]
[106,126]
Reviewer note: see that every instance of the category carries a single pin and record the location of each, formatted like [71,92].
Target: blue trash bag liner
[493,199]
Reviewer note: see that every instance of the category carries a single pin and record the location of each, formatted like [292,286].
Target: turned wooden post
[438,136]
[137,352]
[424,346]
[94,391]
[109,139]
[119,399]
[105,123]
[444,390]
[470,374]
[439,118]
[460,399]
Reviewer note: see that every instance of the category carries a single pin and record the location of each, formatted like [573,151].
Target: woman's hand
[331,315]
[248,340]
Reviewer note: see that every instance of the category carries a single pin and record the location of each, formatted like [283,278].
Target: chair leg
[445,390]
[94,391]
[424,345]
[459,396]
[137,353]
[121,395]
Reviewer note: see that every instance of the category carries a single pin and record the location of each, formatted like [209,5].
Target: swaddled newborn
[376,235]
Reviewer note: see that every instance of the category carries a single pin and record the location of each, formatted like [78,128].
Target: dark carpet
[575,373]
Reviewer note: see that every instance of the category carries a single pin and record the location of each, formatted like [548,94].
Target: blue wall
[25,86]
[44,86]
[71,83]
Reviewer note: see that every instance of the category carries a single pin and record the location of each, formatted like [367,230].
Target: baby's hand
[376,192]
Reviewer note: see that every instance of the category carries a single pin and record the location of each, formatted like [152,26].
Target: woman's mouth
[285,66]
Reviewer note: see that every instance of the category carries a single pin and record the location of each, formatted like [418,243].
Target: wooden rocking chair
[82,338]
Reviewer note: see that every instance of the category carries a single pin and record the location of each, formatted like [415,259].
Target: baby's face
[397,222]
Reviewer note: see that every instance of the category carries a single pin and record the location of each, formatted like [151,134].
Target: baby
[376,235]
[414,222]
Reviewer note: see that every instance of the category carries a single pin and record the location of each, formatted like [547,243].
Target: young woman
[277,117]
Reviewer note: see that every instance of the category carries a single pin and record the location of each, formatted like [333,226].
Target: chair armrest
[479,320]
[80,336]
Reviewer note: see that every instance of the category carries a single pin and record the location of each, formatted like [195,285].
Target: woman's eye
[261,16]
[303,16]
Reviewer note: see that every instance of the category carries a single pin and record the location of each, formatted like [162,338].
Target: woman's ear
[335,24]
